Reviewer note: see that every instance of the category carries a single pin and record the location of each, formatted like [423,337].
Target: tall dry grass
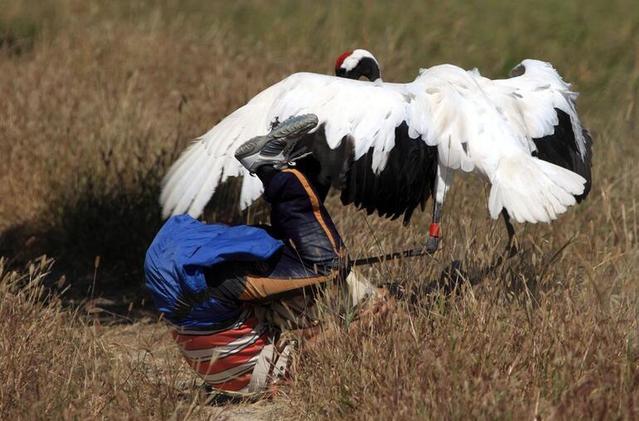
[98,98]
[55,364]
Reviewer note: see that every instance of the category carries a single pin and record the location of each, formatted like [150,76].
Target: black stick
[416,252]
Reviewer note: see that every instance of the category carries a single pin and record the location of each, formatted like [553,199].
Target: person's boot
[276,147]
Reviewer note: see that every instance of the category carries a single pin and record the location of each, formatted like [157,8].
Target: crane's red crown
[341,58]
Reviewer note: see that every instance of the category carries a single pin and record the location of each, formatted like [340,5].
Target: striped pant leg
[242,359]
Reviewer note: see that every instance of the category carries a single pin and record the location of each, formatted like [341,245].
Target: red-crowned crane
[362,63]
[358,63]
[389,146]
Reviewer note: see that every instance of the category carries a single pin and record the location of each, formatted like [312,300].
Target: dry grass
[96,100]
[57,365]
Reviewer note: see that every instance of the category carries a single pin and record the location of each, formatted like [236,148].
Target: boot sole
[295,126]
[251,147]
[292,127]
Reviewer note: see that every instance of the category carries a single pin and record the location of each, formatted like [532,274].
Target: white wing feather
[531,99]
[209,161]
[476,123]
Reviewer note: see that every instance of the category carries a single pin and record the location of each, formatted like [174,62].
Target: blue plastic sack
[180,253]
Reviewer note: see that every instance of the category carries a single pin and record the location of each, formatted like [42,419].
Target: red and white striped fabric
[245,358]
[239,359]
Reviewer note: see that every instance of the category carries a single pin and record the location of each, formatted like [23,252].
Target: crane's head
[357,63]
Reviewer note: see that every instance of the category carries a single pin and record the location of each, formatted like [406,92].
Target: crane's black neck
[367,67]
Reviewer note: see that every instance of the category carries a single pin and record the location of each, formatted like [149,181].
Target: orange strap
[315,203]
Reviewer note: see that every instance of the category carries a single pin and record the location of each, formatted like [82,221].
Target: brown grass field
[98,98]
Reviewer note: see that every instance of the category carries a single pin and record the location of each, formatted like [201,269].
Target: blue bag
[178,256]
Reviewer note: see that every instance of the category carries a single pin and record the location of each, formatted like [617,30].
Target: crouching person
[231,293]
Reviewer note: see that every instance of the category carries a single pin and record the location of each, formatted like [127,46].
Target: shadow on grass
[520,278]
[98,236]
[17,36]
[98,230]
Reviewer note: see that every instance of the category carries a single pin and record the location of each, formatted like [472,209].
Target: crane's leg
[442,184]
[511,249]
[434,231]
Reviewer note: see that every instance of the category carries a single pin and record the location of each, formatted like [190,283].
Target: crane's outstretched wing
[538,98]
[563,148]
[361,115]
[386,139]
[208,161]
